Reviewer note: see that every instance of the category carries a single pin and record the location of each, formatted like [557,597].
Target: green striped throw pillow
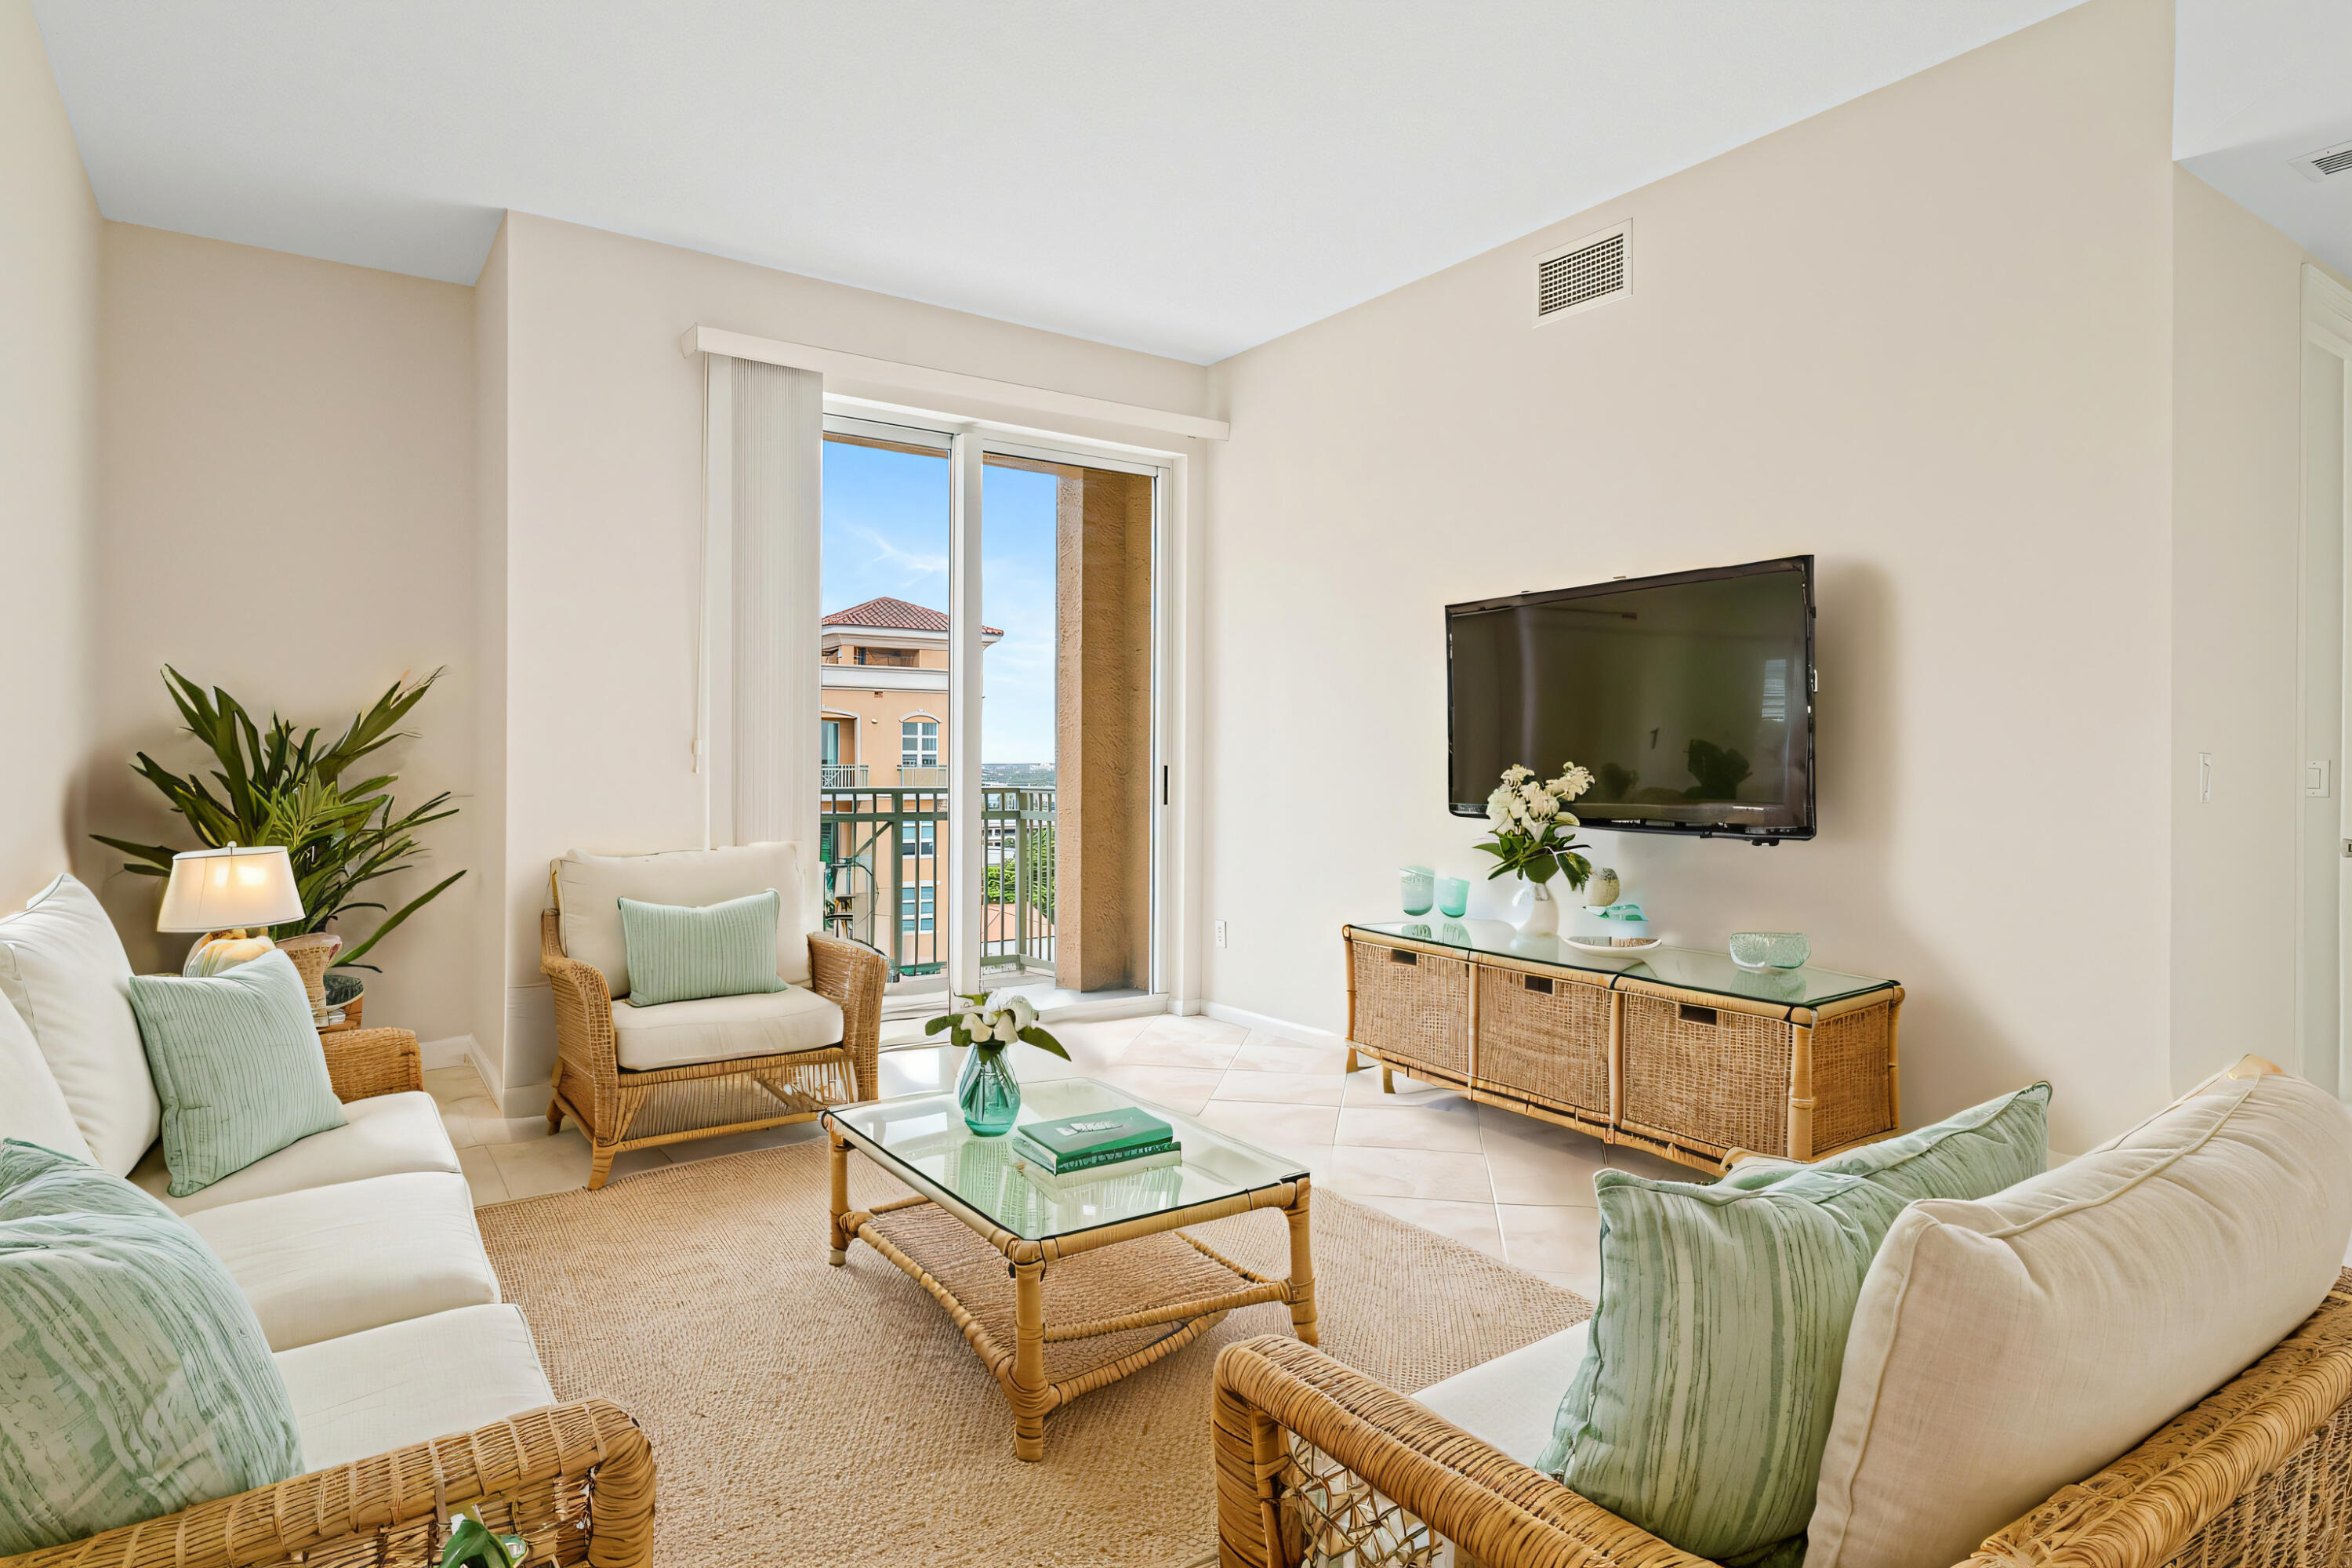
[681,954]
[237,1063]
[137,1380]
[1708,1384]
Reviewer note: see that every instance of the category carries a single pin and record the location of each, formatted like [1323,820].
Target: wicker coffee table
[1129,1287]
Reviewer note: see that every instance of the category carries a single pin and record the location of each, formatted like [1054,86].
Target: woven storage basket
[1544,1036]
[1851,1078]
[311,953]
[1414,1007]
[1705,1074]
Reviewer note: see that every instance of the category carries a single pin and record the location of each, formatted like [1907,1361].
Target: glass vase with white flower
[987,1093]
[1534,839]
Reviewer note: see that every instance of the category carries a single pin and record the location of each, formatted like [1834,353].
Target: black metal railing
[885,852]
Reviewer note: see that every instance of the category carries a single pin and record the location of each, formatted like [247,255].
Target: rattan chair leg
[840,1161]
[1303,1321]
[1028,1393]
[600,1166]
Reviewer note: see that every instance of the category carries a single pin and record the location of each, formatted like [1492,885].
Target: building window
[916,910]
[892,658]
[918,743]
[919,838]
[830,746]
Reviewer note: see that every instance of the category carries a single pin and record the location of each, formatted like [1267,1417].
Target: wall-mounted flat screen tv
[1689,696]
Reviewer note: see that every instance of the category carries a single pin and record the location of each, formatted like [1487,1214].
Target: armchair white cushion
[32,1107]
[589,890]
[411,1381]
[63,971]
[721,1028]
[340,1259]
[2004,1347]
[383,1135]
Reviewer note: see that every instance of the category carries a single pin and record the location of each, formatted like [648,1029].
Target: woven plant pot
[311,953]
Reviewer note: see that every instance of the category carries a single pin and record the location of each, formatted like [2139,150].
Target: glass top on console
[1690,968]
[921,1139]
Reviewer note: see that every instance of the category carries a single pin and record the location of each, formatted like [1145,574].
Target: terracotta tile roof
[896,614]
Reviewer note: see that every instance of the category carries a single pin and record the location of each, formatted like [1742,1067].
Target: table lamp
[224,892]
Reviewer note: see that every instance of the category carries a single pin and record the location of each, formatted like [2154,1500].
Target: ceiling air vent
[1592,271]
[2328,161]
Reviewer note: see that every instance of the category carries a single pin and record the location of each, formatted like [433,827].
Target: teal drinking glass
[1453,895]
[1418,885]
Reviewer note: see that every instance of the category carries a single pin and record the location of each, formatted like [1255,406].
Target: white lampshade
[215,890]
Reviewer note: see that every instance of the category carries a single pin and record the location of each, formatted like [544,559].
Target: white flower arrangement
[994,1020]
[1534,831]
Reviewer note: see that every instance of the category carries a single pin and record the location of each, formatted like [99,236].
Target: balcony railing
[842,775]
[884,851]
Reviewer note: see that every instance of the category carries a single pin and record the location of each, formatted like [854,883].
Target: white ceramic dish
[1603,950]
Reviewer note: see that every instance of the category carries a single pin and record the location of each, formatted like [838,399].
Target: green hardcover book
[1098,1133]
[1045,1158]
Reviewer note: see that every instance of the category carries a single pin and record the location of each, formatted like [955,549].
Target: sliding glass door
[1050,557]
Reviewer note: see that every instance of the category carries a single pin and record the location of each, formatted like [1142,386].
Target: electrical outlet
[1221,934]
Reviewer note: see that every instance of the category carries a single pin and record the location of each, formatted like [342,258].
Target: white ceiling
[1188,178]
[2257,83]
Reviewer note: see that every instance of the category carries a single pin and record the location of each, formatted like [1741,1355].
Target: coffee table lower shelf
[1127,1295]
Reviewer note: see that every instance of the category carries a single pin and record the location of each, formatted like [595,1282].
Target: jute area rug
[808,1415]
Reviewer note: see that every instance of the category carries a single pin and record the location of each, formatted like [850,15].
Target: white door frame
[2324,814]
[966,442]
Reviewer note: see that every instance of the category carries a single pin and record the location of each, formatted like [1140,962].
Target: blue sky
[886,532]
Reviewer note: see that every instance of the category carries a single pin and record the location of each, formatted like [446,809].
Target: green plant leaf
[1044,1041]
[944,1021]
[409,907]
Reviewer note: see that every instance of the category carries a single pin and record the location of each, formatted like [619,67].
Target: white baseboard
[1150,1005]
[1272,1026]
[526,1100]
[484,1069]
[455,1051]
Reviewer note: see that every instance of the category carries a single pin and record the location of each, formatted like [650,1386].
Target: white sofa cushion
[369,1393]
[2003,1349]
[384,1135]
[331,1261]
[1509,1402]
[589,890]
[63,971]
[721,1028]
[32,1107]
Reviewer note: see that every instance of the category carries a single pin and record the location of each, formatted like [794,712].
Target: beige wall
[491,936]
[1924,335]
[604,448]
[2237,528]
[48,465]
[289,513]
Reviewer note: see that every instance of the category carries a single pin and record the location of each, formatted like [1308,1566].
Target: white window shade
[763,517]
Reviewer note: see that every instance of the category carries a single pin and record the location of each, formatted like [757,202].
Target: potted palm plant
[272,786]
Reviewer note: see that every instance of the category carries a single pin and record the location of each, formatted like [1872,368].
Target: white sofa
[357,1248]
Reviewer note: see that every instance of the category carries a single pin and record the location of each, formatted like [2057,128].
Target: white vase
[1534,910]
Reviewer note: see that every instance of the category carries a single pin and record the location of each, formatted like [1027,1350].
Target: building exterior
[883,666]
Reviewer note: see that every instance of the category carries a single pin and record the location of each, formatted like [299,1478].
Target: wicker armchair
[576,1480]
[621,1109]
[1315,1460]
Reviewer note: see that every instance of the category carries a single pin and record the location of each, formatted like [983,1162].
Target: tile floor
[1507,1184]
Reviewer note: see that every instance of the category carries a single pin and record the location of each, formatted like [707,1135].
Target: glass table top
[921,1140]
[1691,968]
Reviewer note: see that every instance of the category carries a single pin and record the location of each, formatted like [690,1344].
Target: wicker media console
[1680,1052]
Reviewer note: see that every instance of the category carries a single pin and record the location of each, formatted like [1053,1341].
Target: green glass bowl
[1770,949]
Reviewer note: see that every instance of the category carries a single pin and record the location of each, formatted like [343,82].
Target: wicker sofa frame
[1315,1460]
[621,1109]
[576,1480]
